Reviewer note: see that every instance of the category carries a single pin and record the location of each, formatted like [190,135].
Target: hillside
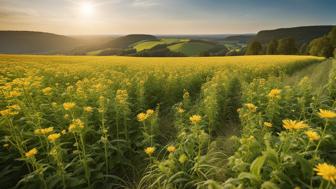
[239,38]
[29,42]
[143,45]
[126,41]
[192,47]
[300,34]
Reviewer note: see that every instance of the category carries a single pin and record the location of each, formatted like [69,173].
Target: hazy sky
[162,16]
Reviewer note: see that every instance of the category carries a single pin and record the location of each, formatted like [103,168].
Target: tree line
[321,46]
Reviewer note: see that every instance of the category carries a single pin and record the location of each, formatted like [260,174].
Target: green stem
[125,125]
[322,136]
[105,144]
[86,169]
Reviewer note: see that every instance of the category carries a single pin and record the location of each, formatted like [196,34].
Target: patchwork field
[192,122]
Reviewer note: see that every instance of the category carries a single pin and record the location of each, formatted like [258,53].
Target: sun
[87,8]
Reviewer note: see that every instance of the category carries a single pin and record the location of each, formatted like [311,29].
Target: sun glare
[87,8]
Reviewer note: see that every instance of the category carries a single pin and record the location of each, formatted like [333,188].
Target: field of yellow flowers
[126,122]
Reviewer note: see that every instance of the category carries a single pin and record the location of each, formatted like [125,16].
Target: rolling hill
[125,41]
[144,45]
[239,38]
[192,47]
[300,34]
[29,42]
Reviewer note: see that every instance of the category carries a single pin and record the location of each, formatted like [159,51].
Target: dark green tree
[303,49]
[254,48]
[287,46]
[272,47]
[332,36]
[321,47]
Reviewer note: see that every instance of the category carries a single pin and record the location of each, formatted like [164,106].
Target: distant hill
[193,47]
[209,37]
[239,38]
[300,34]
[145,45]
[125,41]
[29,42]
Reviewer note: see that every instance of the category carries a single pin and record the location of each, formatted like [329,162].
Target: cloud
[145,3]
[11,13]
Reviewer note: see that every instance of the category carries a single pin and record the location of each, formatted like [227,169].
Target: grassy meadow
[167,123]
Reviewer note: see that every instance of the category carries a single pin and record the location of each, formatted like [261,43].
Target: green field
[191,48]
[143,45]
[167,123]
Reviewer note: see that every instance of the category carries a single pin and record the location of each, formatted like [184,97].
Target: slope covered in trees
[21,42]
[300,34]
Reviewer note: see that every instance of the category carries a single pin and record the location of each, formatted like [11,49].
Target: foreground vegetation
[125,122]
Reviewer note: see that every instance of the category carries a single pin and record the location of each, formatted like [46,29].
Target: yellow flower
[268,124]
[274,93]
[149,150]
[180,110]
[76,125]
[312,135]
[327,114]
[31,153]
[88,109]
[54,137]
[101,110]
[8,112]
[251,107]
[63,132]
[149,112]
[53,152]
[47,91]
[293,125]
[13,94]
[141,117]
[121,96]
[66,116]
[43,131]
[14,107]
[183,158]
[101,98]
[195,119]
[171,149]
[5,145]
[326,171]
[186,95]
[69,105]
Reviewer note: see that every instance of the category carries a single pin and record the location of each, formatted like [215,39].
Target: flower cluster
[251,107]
[31,153]
[54,137]
[76,125]
[274,93]
[141,117]
[121,96]
[44,131]
[69,105]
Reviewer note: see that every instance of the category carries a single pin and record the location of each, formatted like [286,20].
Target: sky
[95,17]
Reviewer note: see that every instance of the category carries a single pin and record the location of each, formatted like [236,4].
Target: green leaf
[257,165]
[249,176]
[269,185]
[305,166]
